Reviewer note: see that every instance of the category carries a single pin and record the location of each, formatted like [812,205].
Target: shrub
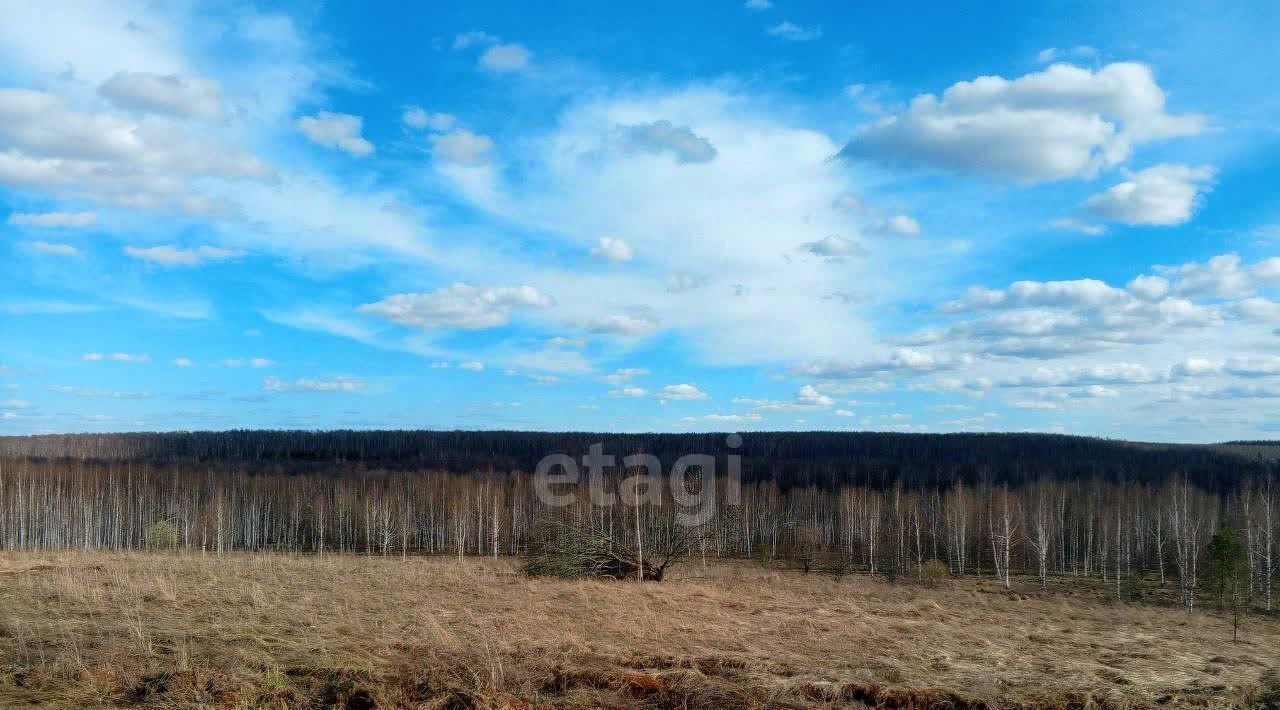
[934,572]
[160,535]
[570,550]
[835,566]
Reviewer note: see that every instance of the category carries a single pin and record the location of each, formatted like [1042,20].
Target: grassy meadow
[277,631]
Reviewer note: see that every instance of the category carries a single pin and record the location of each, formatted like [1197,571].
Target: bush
[160,535]
[571,551]
[934,572]
[835,566]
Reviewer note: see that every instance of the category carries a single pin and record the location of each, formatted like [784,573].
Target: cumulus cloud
[329,384]
[834,247]
[680,392]
[472,366]
[1162,195]
[664,137]
[897,361]
[1225,275]
[612,249]
[106,157]
[795,33]
[629,391]
[1062,122]
[53,249]
[169,255]
[417,117]
[1051,54]
[726,418]
[462,147]
[622,324]
[624,374]
[506,58]
[130,357]
[94,393]
[164,94]
[473,38]
[339,131]
[69,220]
[1076,225]
[458,306]
[905,225]
[183,362]
[808,397]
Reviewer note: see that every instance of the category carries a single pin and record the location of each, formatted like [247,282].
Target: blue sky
[770,215]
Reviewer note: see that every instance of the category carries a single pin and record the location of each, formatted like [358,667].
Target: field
[110,629]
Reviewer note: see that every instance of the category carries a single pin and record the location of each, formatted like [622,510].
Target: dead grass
[93,630]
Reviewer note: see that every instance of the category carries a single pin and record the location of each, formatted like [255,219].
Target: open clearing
[106,629]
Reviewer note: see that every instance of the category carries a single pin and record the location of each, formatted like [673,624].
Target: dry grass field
[95,630]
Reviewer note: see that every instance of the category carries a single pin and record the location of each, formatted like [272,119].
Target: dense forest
[823,459]
[981,504]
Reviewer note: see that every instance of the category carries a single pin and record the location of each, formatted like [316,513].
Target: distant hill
[820,458]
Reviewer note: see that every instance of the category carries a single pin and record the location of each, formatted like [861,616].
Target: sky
[719,216]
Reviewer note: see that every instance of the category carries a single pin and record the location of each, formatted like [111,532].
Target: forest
[991,505]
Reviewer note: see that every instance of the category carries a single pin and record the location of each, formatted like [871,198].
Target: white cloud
[329,384]
[133,163]
[339,131]
[1051,54]
[261,362]
[808,397]
[624,374]
[629,391]
[1149,288]
[612,249]
[169,255]
[1224,275]
[727,418]
[834,246]
[183,362]
[458,306]
[472,366]
[417,117]
[1076,225]
[91,357]
[898,360]
[90,392]
[664,137]
[1162,195]
[1062,122]
[70,220]
[621,324]
[793,32]
[505,58]
[164,94]
[462,147]
[53,249]
[130,357]
[904,225]
[757,5]
[466,40]
[771,187]
[680,392]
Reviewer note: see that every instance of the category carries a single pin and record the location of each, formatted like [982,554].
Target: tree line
[791,459]
[1116,531]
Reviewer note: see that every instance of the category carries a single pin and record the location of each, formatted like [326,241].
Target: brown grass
[92,630]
